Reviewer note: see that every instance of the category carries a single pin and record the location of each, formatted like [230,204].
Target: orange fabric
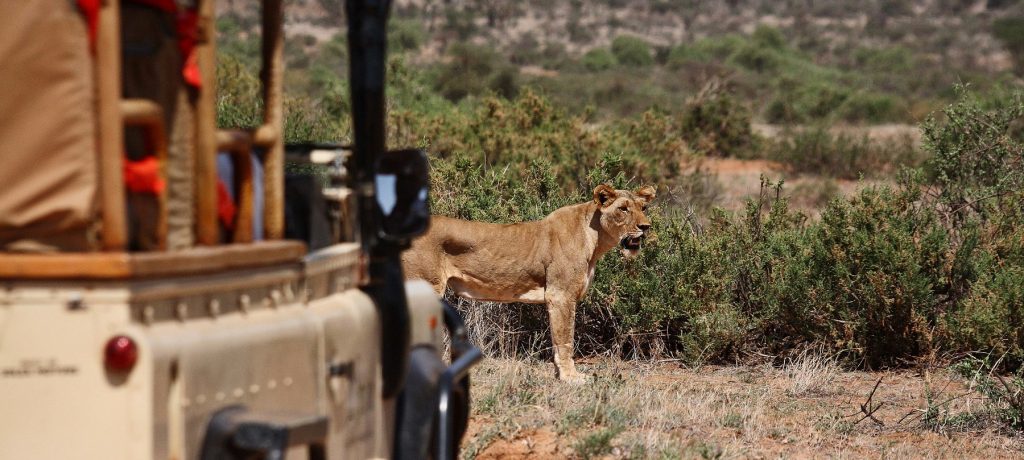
[190,71]
[143,176]
[225,207]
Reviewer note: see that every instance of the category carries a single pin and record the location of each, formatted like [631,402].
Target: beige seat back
[48,160]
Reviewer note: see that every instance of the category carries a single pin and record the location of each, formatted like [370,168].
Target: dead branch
[869,409]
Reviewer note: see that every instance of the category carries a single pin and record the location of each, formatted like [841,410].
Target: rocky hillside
[955,32]
[786,62]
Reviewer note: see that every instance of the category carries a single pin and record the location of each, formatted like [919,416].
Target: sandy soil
[807,409]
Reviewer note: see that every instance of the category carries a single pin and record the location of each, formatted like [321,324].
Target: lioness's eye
[624,209]
[643,208]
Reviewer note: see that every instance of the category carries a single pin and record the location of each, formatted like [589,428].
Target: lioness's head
[622,215]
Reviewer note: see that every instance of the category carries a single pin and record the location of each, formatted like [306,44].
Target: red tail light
[120,354]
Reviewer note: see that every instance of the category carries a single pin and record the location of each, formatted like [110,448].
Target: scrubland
[837,264]
[807,408]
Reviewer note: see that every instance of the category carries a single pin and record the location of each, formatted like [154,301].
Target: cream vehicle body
[142,324]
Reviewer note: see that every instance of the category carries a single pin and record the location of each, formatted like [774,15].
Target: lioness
[549,261]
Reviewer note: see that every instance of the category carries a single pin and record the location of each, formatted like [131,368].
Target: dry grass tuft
[811,373]
[504,330]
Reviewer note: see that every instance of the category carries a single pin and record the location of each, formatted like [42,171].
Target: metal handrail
[464,356]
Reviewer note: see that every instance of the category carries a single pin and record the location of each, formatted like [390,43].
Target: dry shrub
[812,372]
[505,330]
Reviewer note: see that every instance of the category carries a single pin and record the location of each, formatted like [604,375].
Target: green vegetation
[474,70]
[596,444]
[817,150]
[933,263]
[632,51]
[598,59]
[780,82]
[405,35]
[1011,32]
[1004,397]
[716,124]
[890,274]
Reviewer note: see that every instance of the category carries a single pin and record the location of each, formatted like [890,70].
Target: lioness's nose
[644,227]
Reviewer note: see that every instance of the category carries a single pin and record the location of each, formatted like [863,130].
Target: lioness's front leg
[562,316]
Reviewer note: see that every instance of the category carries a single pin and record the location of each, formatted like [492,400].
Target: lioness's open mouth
[631,243]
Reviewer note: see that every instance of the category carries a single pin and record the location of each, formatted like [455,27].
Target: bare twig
[868,409]
[918,412]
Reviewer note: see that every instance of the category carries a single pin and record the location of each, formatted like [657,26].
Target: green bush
[769,37]
[876,261]
[473,70]
[860,280]
[1011,32]
[681,55]
[817,150]
[501,133]
[765,51]
[459,23]
[804,101]
[976,157]
[598,59]
[233,41]
[978,166]
[887,60]
[990,317]
[720,47]
[757,58]
[716,124]
[870,108]
[632,51]
[240,105]
[405,35]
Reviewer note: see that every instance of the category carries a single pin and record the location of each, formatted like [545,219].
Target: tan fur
[549,261]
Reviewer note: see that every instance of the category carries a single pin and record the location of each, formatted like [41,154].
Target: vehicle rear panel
[291,339]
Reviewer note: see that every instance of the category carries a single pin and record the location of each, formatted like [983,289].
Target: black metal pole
[367,43]
[464,357]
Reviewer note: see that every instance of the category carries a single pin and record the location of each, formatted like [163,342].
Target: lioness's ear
[604,194]
[646,193]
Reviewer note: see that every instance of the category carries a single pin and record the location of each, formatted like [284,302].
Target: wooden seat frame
[114,114]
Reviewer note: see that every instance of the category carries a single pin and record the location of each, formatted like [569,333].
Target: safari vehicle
[155,301]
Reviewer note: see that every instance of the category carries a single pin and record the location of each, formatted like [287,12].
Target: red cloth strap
[188,35]
[225,207]
[91,10]
[143,176]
